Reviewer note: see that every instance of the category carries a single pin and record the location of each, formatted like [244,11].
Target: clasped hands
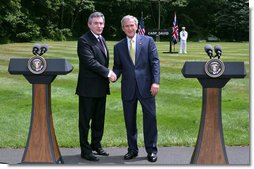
[112,76]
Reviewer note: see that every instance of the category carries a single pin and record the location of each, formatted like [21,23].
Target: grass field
[178,102]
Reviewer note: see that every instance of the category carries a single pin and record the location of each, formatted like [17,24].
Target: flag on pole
[174,31]
[141,27]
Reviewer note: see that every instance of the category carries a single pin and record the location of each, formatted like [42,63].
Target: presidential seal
[37,64]
[214,68]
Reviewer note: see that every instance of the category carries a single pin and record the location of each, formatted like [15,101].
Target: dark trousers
[91,109]
[149,122]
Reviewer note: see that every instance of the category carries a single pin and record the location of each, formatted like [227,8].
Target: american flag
[141,27]
[174,31]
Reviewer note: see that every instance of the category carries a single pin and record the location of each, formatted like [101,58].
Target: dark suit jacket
[93,67]
[146,70]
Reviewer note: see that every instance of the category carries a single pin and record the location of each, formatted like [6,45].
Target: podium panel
[210,146]
[41,146]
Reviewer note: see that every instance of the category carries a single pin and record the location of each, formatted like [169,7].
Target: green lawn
[178,102]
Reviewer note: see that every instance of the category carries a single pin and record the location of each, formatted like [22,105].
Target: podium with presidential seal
[213,75]
[41,146]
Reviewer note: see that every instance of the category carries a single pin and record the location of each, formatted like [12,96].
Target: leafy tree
[115,10]
[232,21]
[74,15]
[28,20]
[10,17]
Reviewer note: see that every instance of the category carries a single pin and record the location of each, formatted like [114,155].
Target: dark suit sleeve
[154,61]
[86,57]
[117,68]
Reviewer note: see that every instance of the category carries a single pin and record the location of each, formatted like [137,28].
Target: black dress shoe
[89,157]
[130,155]
[102,152]
[152,157]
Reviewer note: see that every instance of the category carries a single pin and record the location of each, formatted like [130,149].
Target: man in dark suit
[93,86]
[136,58]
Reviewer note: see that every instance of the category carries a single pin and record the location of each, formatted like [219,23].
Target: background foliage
[29,20]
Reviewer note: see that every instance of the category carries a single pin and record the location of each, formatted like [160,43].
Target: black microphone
[209,50]
[218,51]
[36,49]
[44,49]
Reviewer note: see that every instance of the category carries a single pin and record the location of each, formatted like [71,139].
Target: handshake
[112,76]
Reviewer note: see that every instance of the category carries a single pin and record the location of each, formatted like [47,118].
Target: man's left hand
[154,89]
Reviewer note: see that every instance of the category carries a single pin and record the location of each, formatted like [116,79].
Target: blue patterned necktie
[102,46]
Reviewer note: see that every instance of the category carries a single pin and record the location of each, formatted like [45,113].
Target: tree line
[30,20]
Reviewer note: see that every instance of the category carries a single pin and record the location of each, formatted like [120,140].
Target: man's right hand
[112,76]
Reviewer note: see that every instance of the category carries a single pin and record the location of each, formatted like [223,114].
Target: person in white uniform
[183,40]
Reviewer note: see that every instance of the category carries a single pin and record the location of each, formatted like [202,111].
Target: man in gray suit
[136,59]
[93,86]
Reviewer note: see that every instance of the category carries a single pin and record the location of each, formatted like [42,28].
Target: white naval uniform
[183,41]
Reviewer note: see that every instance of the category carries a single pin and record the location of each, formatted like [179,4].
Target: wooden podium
[210,147]
[41,146]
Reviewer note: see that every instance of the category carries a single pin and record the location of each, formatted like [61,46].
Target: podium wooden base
[210,147]
[41,145]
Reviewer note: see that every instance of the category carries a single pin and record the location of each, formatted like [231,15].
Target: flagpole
[141,25]
[170,46]
[173,36]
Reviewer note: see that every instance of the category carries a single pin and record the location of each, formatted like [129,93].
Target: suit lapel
[138,46]
[126,50]
[95,42]
[105,55]
[101,48]
[107,52]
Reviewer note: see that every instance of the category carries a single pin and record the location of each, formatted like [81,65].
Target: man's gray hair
[128,17]
[95,15]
